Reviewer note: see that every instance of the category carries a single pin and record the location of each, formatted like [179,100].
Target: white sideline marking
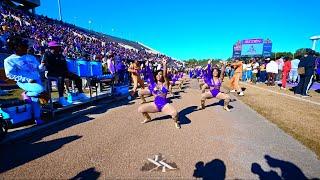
[295,97]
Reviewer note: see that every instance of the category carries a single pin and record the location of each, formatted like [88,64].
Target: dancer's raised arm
[223,69]
[208,74]
[165,72]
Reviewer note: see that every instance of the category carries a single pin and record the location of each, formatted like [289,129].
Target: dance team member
[206,78]
[134,69]
[160,104]
[150,81]
[175,80]
[215,84]
[201,79]
[236,77]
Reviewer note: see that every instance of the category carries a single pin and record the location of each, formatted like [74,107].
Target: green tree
[299,53]
[278,55]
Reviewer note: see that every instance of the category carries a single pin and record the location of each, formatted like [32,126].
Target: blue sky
[196,28]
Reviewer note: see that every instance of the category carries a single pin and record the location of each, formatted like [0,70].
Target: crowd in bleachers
[76,42]
[39,47]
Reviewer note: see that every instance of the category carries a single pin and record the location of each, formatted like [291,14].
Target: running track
[112,143]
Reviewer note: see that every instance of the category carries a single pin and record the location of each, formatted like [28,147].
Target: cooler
[95,68]
[17,114]
[83,69]
[71,64]
[122,90]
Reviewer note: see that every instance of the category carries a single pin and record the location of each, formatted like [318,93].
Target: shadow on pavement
[29,151]
[99,107]
[90,173]
[166,117]
[220,103]
[215,169]
[182,115]
[288,170]
[173,97]
[184,87]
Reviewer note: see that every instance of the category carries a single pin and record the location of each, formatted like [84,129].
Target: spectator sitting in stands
[24,69]
[57,67]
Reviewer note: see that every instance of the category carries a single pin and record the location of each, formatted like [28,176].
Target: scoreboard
[252,48]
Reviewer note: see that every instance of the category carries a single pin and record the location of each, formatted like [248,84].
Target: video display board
[252,48]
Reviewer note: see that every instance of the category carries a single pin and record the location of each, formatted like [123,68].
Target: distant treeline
[201,62]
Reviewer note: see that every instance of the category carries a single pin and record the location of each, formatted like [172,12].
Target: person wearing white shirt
[244,71]
[272,70]
[249,71]
[280,68]
[293,75]
[255,68]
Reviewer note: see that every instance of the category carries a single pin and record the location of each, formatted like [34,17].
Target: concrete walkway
[112,143]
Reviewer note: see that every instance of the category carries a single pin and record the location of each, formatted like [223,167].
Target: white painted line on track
[287,95]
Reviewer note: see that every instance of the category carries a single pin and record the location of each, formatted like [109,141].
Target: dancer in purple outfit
[160,90]
[150,81]
[214,80]
[175,81]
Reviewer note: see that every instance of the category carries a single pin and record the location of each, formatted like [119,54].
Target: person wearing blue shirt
[25,70]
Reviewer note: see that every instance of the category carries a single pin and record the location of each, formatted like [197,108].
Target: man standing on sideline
[306,70]
[236,77]
[293,76]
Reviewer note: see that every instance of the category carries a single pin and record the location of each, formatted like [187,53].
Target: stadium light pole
[90,24]
[59,7]
[75,20]
[314,40]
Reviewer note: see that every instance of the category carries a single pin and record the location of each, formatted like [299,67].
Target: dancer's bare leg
[142,93]
[204,87]
[179,83]
[226,98]
[140,82]
[168,109]
[170,87]
[145,109]
[204,97]
[135,86]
